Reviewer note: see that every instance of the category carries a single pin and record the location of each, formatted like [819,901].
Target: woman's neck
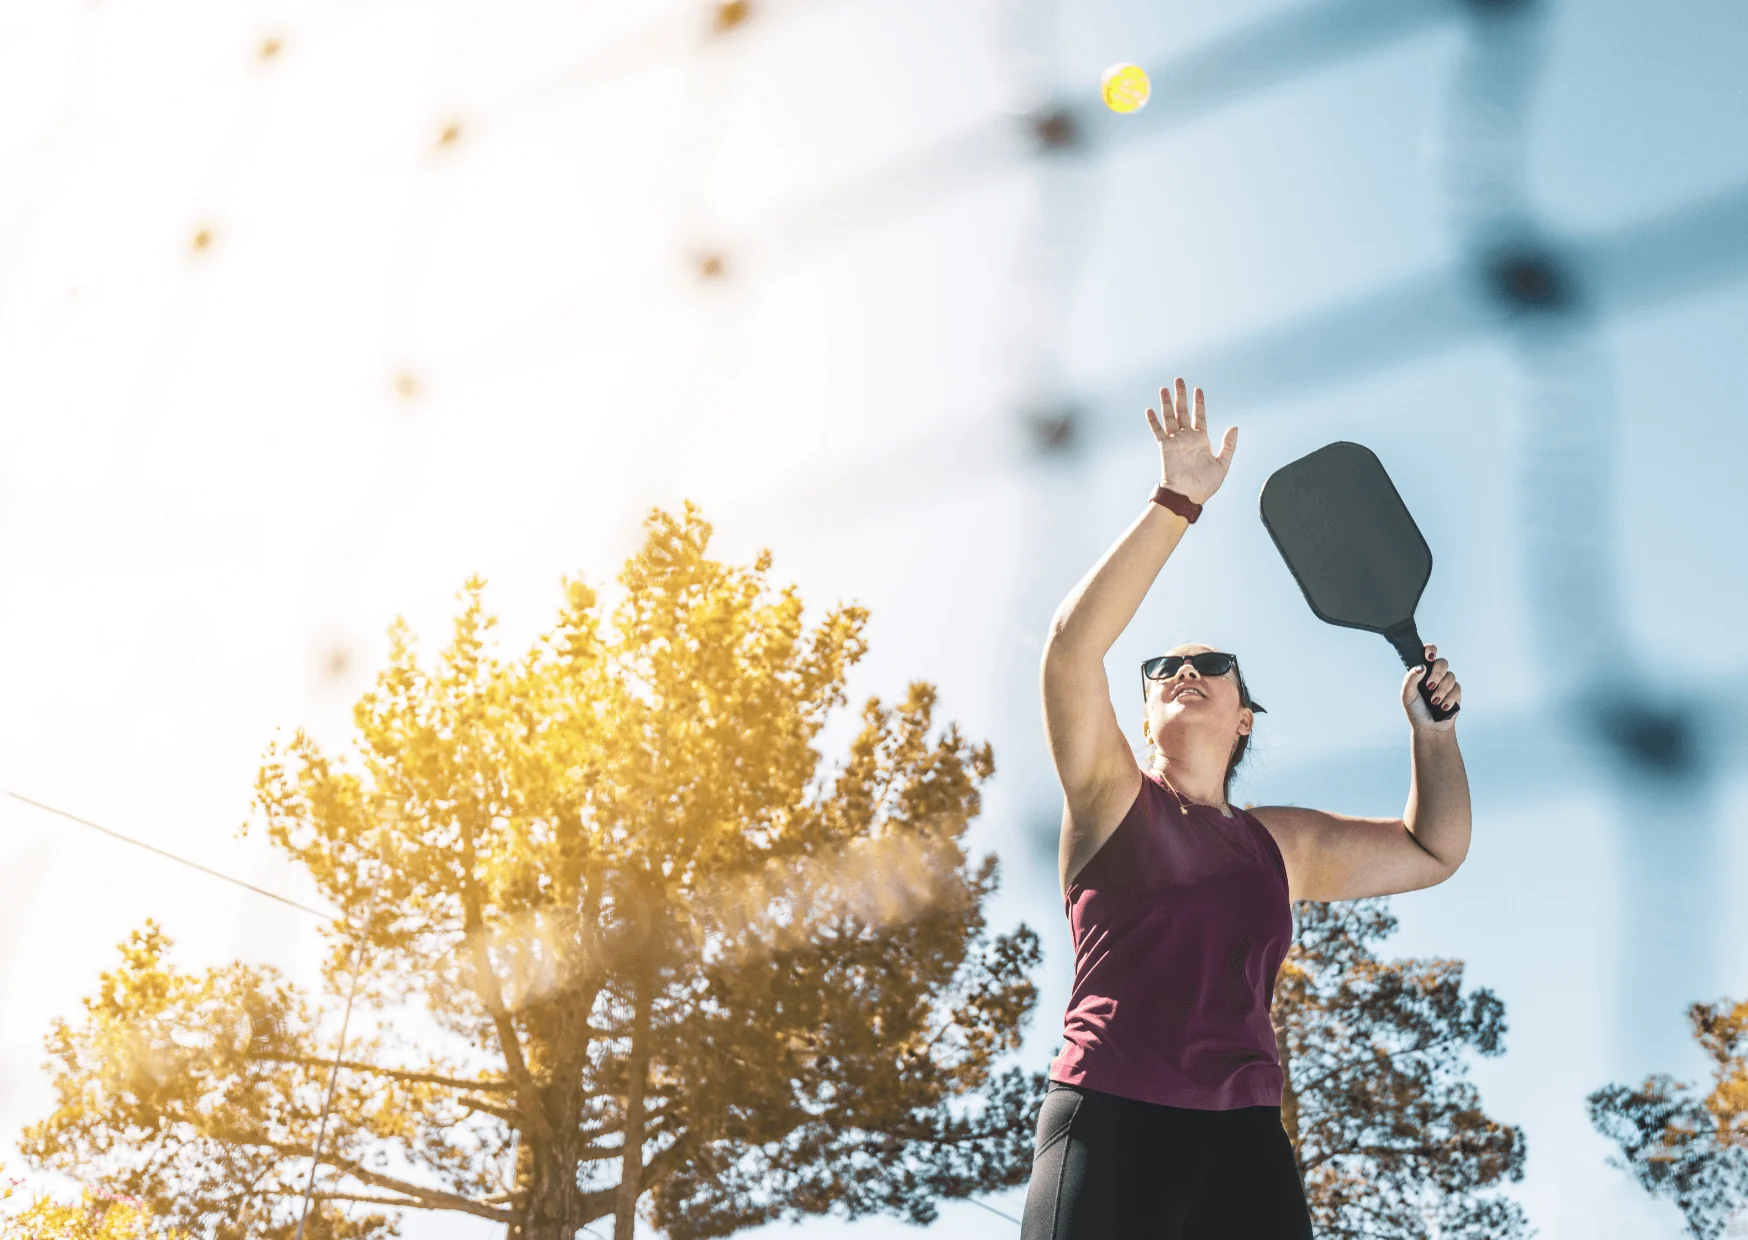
[1199,786]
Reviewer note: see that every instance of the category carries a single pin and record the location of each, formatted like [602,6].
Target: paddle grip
[1406,638]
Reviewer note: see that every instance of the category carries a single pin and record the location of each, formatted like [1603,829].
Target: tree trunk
[631,1162]
[551,1206]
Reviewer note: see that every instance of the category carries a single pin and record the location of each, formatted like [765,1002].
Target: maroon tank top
[1181,921]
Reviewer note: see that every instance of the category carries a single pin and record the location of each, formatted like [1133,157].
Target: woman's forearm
[1438,796]
[1100,606]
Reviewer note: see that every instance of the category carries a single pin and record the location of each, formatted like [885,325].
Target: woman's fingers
[1228,445]
[1167,411]
[1442,692]
[1181,409]
[1436,677]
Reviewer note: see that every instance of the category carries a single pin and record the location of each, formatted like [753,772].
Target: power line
[340,1048]
[351,993]
[193,865]
[1010,1218]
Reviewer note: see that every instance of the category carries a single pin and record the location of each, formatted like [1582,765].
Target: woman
[1163,1116]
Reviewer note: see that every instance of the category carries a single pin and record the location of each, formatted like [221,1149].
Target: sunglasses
[1208,663]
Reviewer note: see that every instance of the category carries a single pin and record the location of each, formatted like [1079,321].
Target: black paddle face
[1350,543]
[1347,537]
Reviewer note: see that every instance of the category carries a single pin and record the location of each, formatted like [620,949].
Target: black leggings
[1110,1168]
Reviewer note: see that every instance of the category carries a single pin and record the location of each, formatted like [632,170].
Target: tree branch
[487,988]
[1347,1064]
[654,1114]
[486,1108]
[661,1164]
[399,1074]
[423,1198]
[404,1203]
[597,1153]
[1368,1150]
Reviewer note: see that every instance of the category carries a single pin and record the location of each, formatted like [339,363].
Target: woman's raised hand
[1186,464]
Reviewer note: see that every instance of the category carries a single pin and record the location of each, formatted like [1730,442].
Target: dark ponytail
[1232,766]
[1238,750]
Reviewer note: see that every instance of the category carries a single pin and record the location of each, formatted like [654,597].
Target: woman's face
[1190,705]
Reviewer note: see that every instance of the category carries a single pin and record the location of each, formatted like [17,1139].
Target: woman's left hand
[1441,685]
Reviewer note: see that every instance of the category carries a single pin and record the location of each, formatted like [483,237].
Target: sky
[280,361]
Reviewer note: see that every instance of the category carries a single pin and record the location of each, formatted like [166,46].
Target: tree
[1689,1149]
[668,973]
[97,1216]
[1389,1135]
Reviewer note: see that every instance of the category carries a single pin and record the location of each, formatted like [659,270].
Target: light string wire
[408,432]
[1217,74]
[180,860]
[345,1023]
[352,985]
[998,1213]
[1041,421]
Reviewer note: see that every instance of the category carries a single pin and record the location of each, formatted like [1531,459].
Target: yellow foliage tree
[667,974]
[97,1216]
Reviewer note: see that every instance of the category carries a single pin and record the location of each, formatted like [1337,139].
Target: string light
[730,15]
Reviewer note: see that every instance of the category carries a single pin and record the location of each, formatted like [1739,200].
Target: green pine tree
[1390,1137]
[1690,1148]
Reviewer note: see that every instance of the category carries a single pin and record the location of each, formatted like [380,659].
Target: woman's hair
[1238,750]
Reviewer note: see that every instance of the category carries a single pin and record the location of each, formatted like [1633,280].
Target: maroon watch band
[1189,510]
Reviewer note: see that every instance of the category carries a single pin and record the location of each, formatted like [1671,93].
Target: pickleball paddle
[1349,542]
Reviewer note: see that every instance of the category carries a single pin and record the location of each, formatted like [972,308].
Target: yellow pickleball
[1125,87]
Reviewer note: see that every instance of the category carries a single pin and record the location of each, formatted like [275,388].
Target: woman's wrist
[1169,498]
[1193,489]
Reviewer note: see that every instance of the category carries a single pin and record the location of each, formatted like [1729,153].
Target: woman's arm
[1088,622]
[1093,759]
[1338,857]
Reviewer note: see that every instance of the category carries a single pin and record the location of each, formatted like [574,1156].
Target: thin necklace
[1184,802]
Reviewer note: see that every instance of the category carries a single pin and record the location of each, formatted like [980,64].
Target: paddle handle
[1406,638]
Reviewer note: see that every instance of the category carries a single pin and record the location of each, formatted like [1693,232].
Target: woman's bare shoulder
[1086,830]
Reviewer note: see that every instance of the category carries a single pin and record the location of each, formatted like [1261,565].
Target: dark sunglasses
[1208,663]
